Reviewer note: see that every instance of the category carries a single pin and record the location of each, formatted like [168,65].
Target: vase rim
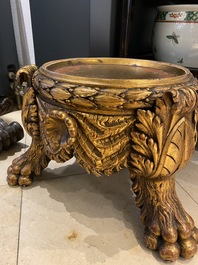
[177,8]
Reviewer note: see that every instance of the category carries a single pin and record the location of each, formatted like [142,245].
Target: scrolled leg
[162,142]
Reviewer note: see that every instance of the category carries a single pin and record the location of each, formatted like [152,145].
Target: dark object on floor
[9,134]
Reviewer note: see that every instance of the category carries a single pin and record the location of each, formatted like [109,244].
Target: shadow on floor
[103,204]
[12,150]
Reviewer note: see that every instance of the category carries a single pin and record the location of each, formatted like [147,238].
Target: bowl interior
[116,72]
[108,70]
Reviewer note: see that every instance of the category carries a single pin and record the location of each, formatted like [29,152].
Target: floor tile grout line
[21,206]
[187,192]
[19,229]
[20,213]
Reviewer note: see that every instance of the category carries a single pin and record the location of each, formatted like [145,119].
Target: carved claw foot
[168,228]
[19,173]
[31,163]
[174,238]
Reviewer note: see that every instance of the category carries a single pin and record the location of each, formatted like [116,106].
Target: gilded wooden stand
[113,114]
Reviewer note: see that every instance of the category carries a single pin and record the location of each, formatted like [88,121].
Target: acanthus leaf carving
[159,137]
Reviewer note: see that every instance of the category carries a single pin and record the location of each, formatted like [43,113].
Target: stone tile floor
[68,217]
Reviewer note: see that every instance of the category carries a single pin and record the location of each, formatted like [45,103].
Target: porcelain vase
[175,35]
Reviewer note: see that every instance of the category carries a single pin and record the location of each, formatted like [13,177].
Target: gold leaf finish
[139,94]
[60,94]
[109,101]
[85,91]
[106,139]
[111,114]
[59,132]
[25,74]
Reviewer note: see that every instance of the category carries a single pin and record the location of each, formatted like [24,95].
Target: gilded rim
[119,83]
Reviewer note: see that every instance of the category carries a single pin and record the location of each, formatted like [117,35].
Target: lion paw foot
[173,242]
[31,163]
[20,174]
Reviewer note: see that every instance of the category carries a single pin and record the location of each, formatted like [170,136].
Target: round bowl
[107,85]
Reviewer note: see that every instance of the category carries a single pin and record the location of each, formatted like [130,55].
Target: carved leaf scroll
[161,139]
[147,142]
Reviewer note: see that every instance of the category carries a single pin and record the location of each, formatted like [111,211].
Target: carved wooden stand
[146,125]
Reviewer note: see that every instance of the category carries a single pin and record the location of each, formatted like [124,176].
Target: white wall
[23,31]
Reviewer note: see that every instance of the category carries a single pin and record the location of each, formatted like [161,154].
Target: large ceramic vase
[175,35]
[113,114]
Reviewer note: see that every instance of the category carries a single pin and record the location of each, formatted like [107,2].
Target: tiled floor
[68,217]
